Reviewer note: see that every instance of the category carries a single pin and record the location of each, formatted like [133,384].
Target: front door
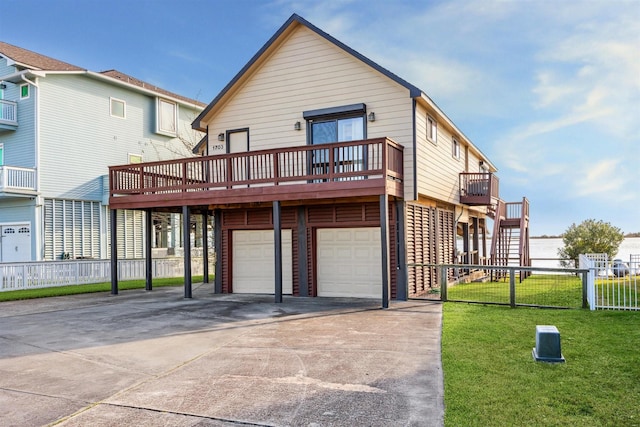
[238,142]
[15,243]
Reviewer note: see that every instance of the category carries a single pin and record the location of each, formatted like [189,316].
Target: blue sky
[549,90]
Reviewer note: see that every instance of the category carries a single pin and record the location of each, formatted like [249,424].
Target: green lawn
[491,378]
[85,289]
[559,290]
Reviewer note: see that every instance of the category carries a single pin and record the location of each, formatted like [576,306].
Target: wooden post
[186,245]
[277,250]
[148,259]
[217,241]
[114,251]
[205,247]
[402,281]
[384,246]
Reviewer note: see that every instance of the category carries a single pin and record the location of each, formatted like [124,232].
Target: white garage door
[349,262]
[254,259]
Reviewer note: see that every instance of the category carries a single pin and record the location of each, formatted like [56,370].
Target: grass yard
[491,378]
[85,289]
[558,290]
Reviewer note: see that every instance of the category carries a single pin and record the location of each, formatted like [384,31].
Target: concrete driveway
[156,359]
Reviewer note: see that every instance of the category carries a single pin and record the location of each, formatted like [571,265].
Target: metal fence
[44,274]
[512,286]
[612,285]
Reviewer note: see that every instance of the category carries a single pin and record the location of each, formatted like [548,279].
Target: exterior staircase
[510,240]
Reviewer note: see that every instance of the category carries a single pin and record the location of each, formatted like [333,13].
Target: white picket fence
[605,289]
[44,274]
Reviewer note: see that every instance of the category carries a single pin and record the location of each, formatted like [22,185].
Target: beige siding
[438,170]
[306,72]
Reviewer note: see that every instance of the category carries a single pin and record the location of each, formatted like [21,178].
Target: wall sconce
[3,86]
[221,137]
[297,126]
[371,117]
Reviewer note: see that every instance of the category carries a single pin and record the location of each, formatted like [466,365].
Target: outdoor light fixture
[221,137]
[371,117]
[3,86]
[297,126]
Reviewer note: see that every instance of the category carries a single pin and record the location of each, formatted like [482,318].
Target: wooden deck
[479,189]
[354,169]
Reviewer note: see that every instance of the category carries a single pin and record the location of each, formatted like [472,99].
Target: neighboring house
[359,169]
[61,126]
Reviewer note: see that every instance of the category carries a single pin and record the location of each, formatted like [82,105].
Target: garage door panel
[349,262]
[254,262]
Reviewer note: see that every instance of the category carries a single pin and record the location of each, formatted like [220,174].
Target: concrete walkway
[156,359]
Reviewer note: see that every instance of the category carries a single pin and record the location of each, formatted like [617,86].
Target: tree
[589,237]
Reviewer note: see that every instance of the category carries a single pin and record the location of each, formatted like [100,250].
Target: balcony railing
[8,113]
[16,180]
[478,189]
[354,168]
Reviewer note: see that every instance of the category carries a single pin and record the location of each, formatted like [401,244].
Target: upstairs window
[432,129]
[135,158]
[24,91]
[118,108]
[455,148]
[167,117]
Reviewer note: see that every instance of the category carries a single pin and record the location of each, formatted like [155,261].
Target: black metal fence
[513,286]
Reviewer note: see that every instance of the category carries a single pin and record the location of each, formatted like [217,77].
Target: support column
[205,246]
[476,241]
[217,241]
[148,259]
[384,236]
[113,214]
[401,278]
[186,244]
[277,250]
[465,243]
[303,265]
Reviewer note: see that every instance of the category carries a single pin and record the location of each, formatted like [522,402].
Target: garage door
[349,262]
[254,259]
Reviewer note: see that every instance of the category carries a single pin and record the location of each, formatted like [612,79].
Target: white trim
[455,148]
[124,107]
[432,130]
[129,155]
[166,132]
[1,154]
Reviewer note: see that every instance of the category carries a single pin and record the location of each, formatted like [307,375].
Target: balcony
[17,180]
[479,189]
[348,169]
[8,115]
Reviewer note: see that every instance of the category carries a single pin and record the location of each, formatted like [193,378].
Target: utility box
[547,347]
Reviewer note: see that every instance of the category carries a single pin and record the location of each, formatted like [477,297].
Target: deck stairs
[510,239]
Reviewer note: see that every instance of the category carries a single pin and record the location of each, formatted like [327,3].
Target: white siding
[306,72]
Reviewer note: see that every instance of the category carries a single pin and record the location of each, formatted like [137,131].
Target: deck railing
[17,178]
[346,161]
[478,188]
[8,112]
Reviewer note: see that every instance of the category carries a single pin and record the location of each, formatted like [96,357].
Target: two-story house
[326,174]
[60,128]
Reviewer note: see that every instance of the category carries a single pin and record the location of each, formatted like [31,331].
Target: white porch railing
[8,112]
[45,274]
[612,287]
[17,178]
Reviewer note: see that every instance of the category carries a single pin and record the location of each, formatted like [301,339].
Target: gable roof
[285,29]
[28,60]
[288,27]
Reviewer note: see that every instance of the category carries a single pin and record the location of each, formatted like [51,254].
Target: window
[166,117]
[118,108]
[135,158]
[455,148]
[24,91]
[432,130]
